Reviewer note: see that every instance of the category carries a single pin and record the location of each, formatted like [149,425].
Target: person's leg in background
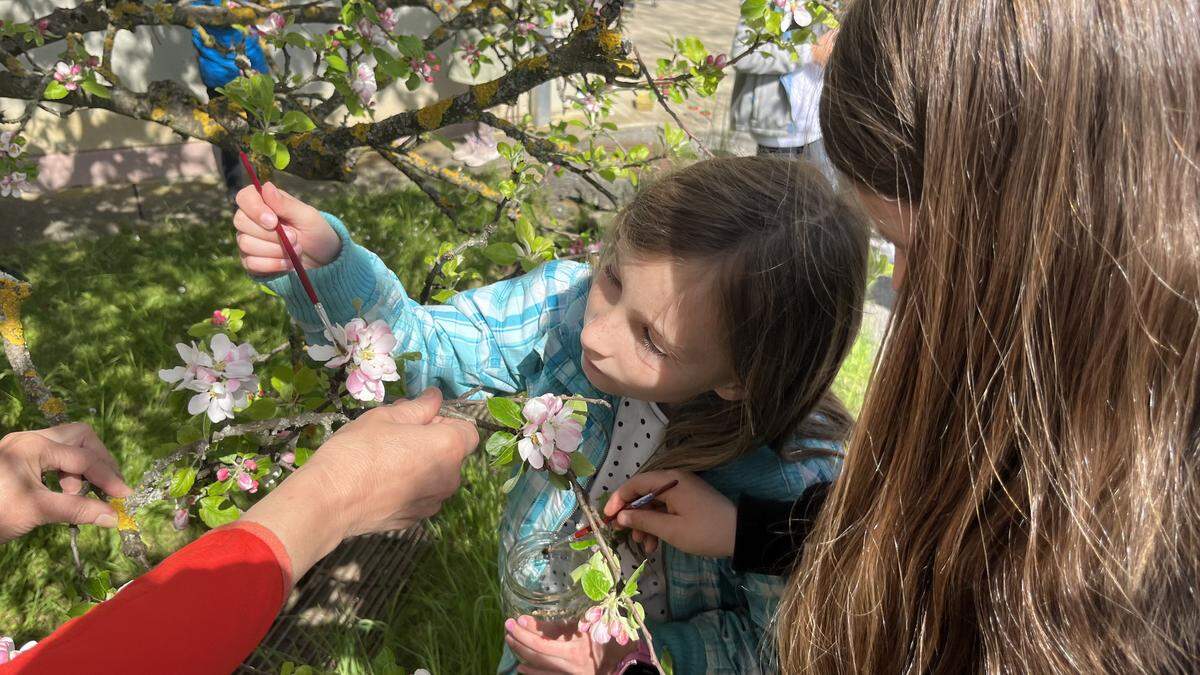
[229,163]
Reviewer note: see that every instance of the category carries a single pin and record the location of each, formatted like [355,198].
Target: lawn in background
[103,320]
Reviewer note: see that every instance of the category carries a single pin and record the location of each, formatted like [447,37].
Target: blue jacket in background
[218,69]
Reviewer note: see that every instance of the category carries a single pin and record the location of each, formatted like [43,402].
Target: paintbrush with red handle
[639,503]
[296,264]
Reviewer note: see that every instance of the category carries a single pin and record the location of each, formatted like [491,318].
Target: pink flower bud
[218,318]
[223,474]
[288,458]
[250,465]
[722,61]
[93,61]
[560,462]
[42,26]
[181,519]
[599,633]
[593,615]
[430,56]
[245,482]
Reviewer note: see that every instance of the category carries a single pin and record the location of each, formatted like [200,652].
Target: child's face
[652,333]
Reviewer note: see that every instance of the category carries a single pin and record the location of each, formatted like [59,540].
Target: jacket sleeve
[767,59]
[727,641]
[490,336]
[202,610]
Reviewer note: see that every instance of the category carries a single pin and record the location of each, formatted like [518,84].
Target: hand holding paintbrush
[277,232]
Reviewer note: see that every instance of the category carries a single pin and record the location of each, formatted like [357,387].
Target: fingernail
[105,520]
[526,621]
[510,624]
[269,219]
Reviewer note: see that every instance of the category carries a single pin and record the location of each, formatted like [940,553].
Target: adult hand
[385,470]
[310,234]
[693,517]
[77,453]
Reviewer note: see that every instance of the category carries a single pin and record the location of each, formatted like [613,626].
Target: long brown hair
[788,260]
[1021,491]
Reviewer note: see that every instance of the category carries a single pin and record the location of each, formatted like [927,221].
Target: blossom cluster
[794,11]
[13,184]
[603,623]
[223,381]
[426,67]
[367,355]
[551,433]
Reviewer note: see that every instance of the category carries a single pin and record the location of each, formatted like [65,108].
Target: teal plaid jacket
[522,335]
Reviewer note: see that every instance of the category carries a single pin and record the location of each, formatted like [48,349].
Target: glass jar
[537,581]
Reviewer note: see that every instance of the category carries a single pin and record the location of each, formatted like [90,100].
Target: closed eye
[648,344]
[611,276]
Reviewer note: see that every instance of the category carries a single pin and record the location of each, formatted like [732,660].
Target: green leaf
[94,88]
[261,409]
[506,412]
[501,253]
[753,9]
[262,144]
[306,380]
[525,233]
[583,544]
[182,482]
[631,587]
[281,381]
[281,157]
[303,455]
[295,121]
[337,63]
[512,482]
[597,582]
[443,296]
[411,46]
[557,481]
[99,585]
[581,465]
[498,442]
[215,514]
[54,91]
[692,49]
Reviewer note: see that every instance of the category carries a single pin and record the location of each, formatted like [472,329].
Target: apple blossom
[250,465]
[368,358]
[372,33]
[273,24]
[218,318]
[247,483]
[223,473]
[194,359]
[389,20]
[550,435]
[14,184]
[68,74]
[794,11]
[9,651]
[9,145]
[471,52]
[364,85]
[590,103]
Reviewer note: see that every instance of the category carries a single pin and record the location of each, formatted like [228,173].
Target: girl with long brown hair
[713,326]
[1020,492]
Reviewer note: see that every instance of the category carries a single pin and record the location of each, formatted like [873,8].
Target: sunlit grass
[104,318]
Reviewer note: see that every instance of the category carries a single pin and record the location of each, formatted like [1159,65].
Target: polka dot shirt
[638,430]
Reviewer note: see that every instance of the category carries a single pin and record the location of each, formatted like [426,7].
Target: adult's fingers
[71,483]
[85,462]
[420,410]
[252,203]
[55,507]
[641,484]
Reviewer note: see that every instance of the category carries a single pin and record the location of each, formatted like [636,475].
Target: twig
[614,563]
[480,239]
[278,349]
[662,100]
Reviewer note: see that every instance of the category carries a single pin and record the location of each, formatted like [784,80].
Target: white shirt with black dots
[639,429]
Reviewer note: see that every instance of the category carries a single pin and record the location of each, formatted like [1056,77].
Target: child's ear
[731,392]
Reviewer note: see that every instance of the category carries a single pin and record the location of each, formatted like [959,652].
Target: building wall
[94,147]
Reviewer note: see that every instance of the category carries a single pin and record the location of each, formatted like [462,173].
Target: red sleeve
[202,610]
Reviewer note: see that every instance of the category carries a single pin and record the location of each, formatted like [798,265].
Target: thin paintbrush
[296,264]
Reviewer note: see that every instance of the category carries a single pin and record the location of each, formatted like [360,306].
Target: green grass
[104,318]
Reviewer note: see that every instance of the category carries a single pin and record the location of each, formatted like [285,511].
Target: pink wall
[126,165]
